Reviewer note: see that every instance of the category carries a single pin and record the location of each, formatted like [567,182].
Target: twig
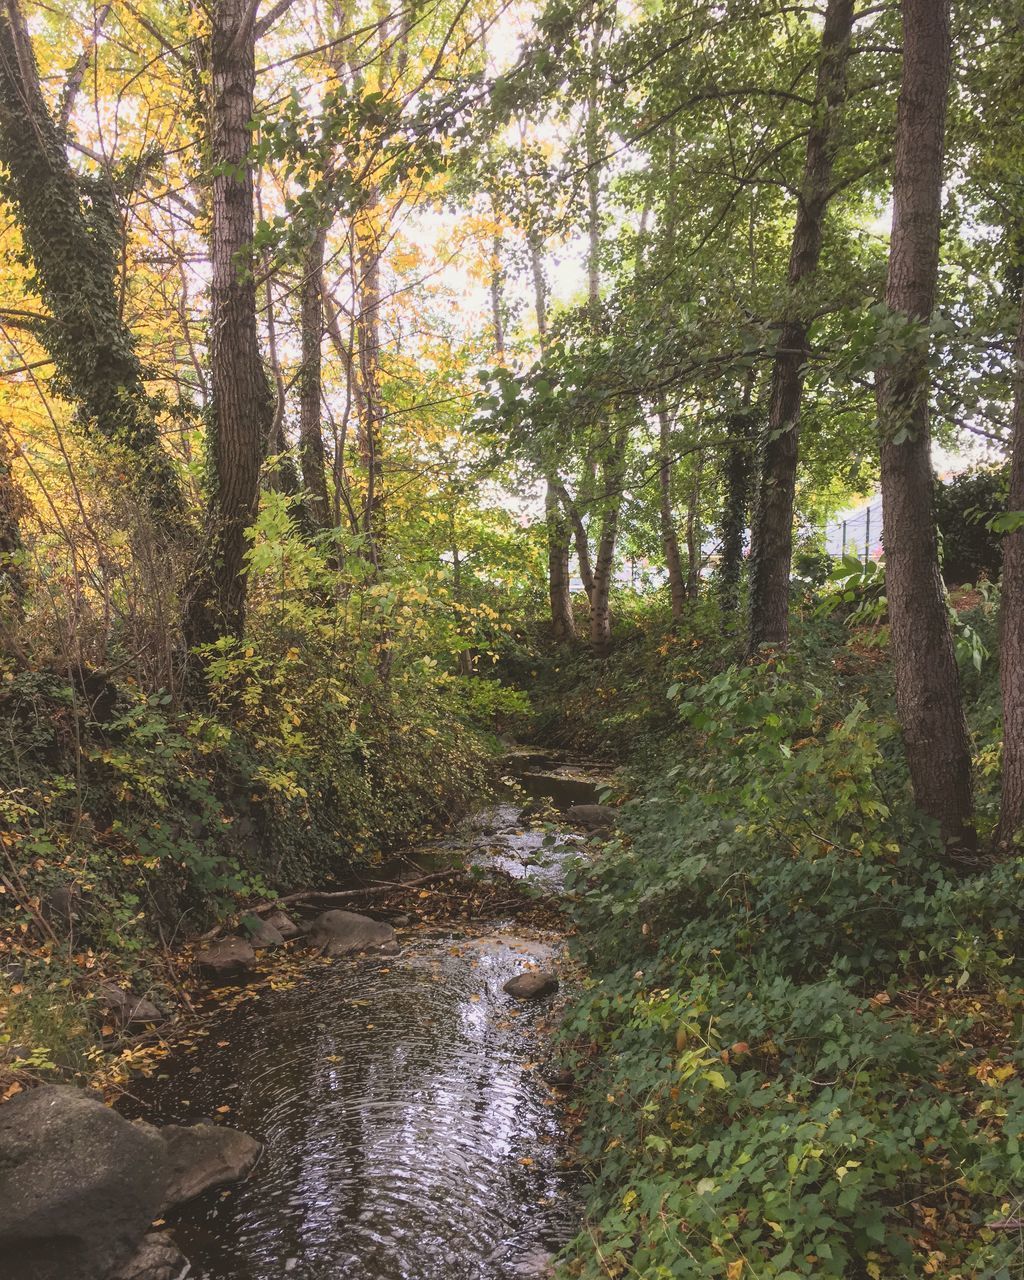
[304,895]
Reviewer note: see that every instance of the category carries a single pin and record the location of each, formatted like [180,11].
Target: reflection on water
[406,1135]
[408,1132]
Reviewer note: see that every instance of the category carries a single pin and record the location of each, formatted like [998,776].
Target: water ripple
[406,1137]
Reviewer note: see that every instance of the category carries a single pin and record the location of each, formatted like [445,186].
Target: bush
[963,508]
[130,818]
[798,1040]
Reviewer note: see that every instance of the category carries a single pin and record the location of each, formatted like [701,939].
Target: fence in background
[858,533]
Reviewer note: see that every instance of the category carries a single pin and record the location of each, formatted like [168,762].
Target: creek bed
[408,1130]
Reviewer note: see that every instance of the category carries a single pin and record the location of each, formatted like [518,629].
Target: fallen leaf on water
[221,1111]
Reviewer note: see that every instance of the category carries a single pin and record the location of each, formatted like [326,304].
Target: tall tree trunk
[737,474]
[375,509]
[71,232]
[579,534]
[927,681]
[563,624]
[593,144]
[465,657]
[311,441]
[612,472]
[693,532]
[1011,644]
[13,505]
[243,407]
[669,536]
[772,542]
[497,316]
[283,474]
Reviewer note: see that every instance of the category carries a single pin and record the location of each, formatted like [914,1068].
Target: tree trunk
[669,536]
[772,541]
[374,511]
[563,624]
[497,316]
[604,565]
[593,145]
[579,535]
[13,505]
[737,473]
[1011,645]
[465,658]
[283,475]
[242,403]
[71,233]
[693,533]
[927,681]
[311,441]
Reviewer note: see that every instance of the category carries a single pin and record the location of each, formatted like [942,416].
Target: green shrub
[963,507]
[798,1041]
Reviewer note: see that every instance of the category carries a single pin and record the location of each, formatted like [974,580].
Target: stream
[409,1133]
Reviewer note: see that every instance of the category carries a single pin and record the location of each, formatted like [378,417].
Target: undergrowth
[799,1045]
[131,818]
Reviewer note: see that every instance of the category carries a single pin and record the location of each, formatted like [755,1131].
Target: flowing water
[408,1131]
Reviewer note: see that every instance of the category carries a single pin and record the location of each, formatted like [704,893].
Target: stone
[60,905]
[201,1156]
[284,924]
[263,934]
[531,985]
[592,817]
[341,933]
[538,1264]
[129,1009]
[560,1077]
[79,1185]
[227,958]
[157,1258]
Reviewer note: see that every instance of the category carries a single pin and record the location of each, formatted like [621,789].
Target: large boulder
[531,985]
[129,1009]
[201,1156]
[226,959]
[591,817]
[341,933]
[79,1186]
[157,1258]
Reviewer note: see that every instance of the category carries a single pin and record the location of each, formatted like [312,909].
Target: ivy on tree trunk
[71,234]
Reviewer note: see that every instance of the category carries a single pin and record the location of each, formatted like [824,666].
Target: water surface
[409,1134]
